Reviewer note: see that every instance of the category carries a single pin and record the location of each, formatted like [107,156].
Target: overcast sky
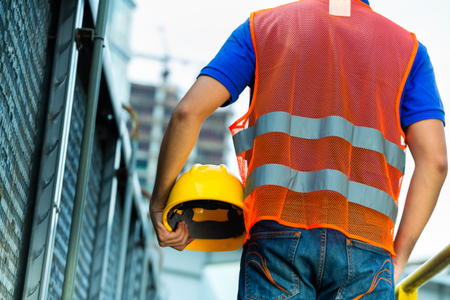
[195,30]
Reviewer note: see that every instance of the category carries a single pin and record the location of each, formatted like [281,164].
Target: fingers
[177,239]
[181,248]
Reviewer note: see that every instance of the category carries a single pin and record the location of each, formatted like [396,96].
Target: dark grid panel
[128,277]
[87,242]
[23,42]
[65,216]
[68,195]
[114,253]
[134,269]
[139,272]
[150,287]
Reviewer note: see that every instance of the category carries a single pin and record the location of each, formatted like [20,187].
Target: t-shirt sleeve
[421,99]
[234,64]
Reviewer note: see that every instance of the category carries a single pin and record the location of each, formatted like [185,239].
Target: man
[338,91]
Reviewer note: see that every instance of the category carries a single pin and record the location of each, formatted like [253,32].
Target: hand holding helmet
[177,239]
[210,201]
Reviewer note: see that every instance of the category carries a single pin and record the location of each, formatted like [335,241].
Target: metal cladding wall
[135,264]
[68,194]
[114,254]
[88,237]
[139,271]
[23,43]
[65,216]
[23,55]
[150,288]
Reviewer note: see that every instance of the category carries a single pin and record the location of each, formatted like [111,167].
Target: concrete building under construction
[154,106]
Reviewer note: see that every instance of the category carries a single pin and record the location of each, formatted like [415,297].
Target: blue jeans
[280,262]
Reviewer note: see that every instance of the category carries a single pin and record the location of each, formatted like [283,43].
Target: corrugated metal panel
[91,213]
[150,288]
[68,194]
[139,272]
[135,264]
[129,267]
[88,236]
[114,253]
[103,266]
[23,42]
[53,160]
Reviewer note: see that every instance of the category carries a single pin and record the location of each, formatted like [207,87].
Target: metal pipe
[407,289]
[86,151]
[128,201]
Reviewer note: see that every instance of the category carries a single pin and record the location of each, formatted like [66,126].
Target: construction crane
[166,58]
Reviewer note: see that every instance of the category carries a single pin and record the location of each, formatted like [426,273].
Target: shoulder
[421,99]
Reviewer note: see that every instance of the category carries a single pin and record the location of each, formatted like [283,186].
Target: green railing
[407,288]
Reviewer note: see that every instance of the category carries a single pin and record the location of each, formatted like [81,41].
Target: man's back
[322,136]
[332,85]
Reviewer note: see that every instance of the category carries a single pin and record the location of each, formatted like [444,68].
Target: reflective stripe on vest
[307,182]
[307,128]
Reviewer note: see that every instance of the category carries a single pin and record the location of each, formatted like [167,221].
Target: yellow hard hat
[210,201]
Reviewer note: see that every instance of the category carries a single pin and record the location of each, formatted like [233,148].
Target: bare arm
[204,97]
[426,140]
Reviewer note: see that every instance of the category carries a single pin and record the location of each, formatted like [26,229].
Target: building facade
[154,106]
[118,39]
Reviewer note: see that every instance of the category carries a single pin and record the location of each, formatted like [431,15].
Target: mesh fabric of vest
[314,65]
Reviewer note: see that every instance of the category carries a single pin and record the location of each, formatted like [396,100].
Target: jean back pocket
[269,265]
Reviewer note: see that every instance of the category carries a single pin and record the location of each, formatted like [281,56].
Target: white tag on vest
[341,8]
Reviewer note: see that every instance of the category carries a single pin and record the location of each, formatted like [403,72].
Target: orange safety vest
[322,145]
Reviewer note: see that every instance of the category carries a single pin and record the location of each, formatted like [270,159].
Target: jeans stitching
[293,247]
[322,257]
[292,256]
[350,269]
[273,234]
[369,247]
[376,280]
[279,298]
[263,267]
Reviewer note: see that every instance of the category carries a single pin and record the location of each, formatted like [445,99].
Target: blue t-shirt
[234,67]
